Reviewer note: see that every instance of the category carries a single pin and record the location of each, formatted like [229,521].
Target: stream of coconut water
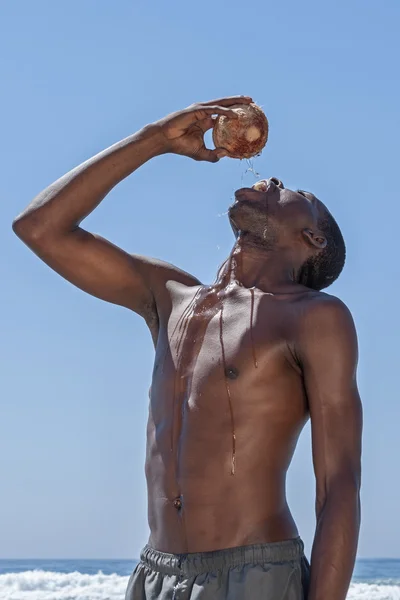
[210,299]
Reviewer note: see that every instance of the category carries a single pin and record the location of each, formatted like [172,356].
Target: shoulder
[159,271]
[321,308]
[325,327]
[156,274]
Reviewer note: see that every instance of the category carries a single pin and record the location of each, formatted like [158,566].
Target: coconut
[243,137]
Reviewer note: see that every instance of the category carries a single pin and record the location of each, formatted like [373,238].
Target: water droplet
[251,327]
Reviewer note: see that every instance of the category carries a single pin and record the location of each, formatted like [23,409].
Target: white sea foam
[46,585]
[373,591]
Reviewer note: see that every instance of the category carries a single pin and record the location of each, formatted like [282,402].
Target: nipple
[231,372]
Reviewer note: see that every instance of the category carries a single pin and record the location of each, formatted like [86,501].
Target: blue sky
[78,76]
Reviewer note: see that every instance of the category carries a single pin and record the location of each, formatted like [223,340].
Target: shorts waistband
[192,564]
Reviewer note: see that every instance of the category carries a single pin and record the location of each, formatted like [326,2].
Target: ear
[315,238]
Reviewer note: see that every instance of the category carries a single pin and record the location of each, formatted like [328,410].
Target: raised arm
[50,224]
[328,354]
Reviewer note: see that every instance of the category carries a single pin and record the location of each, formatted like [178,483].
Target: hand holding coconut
[240,129]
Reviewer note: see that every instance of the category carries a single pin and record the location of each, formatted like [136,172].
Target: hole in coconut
[252,133]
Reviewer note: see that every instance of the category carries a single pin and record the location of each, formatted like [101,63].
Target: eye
[301,192]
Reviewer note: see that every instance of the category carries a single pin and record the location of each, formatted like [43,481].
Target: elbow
[17,226]
[22,229]
[27,229]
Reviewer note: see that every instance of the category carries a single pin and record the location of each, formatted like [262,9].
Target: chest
[222,351]
[212,332]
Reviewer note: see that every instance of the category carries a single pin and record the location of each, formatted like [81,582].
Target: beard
[251,221]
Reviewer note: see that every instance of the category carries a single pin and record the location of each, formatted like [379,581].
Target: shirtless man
[239,368]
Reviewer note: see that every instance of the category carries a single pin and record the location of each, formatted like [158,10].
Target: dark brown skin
[237,372]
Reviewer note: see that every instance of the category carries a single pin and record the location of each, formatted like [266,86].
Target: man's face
[268,212]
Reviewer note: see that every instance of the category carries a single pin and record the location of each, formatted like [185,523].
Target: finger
[206,124]
[230,101]
[195,114]
[219,110]
[221,152]
[211,155]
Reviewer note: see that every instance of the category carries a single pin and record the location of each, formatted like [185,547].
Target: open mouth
[266,184]
[252,194]
[261,186]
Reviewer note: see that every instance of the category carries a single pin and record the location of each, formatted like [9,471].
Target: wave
[48,585]
[374,591]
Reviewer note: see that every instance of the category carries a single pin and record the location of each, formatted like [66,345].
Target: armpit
[292,358]
[150,315]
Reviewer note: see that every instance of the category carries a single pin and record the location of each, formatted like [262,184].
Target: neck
[268,269]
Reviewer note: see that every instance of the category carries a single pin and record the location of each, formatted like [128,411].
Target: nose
[277,182]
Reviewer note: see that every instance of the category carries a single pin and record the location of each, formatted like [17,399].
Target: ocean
[74,579]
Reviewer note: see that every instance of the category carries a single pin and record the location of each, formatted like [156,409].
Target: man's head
[270,216]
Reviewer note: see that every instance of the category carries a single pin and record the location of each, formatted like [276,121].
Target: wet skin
[227,405]
[240,365]
[221,430]
[228,399]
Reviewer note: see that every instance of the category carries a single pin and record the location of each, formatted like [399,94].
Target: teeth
[260,186]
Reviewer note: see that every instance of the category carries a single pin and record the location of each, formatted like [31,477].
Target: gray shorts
[277,571]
